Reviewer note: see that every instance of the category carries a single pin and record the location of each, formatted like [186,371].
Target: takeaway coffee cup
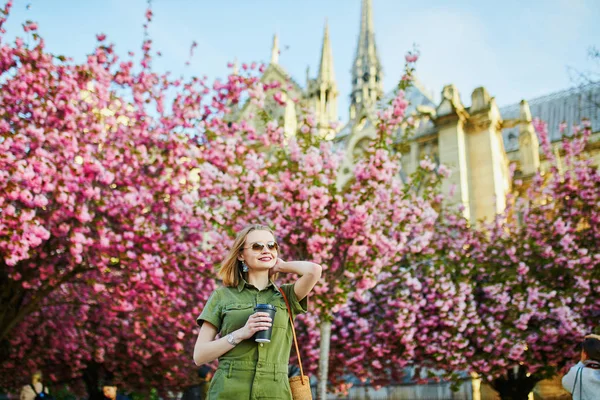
[265,336]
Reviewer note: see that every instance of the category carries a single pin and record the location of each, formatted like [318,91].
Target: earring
[244,267]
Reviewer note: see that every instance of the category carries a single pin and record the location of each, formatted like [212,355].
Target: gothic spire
[275,50]
[367,74]
[322,92]
[326,71]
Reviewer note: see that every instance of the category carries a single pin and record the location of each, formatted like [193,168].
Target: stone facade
[477,142]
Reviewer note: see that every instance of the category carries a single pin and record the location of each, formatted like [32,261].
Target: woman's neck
[259,280]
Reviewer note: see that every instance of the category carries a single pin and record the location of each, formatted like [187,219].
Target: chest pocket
[282,320]
[235,316]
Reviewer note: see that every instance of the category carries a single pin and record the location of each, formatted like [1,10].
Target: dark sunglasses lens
[273,246]
[258,246]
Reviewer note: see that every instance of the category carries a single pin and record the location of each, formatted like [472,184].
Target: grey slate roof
[570,106]
[416,95]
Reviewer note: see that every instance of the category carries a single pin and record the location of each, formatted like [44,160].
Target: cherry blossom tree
[100,236]
[508,301]
[421,314]
[538,273]
[116,206]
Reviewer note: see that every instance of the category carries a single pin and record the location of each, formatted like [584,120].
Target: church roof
[284,75]
[278,73]
[569,106]
[416,95]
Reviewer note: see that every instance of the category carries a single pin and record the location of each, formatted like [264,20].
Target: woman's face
[110,391]
[259,259]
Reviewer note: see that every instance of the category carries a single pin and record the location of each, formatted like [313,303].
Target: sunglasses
[259,246]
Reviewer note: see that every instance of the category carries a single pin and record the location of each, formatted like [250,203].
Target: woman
[29,392]
[248,369]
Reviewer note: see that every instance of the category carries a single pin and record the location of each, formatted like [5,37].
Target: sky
[517,49]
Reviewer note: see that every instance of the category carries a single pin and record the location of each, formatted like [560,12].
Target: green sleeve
[298,307]
[213,311]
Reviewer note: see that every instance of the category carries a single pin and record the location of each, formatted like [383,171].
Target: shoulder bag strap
[581,385]
[293,333]
[33,388]
[577,373]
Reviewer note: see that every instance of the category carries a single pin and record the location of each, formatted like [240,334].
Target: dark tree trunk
[91,377]
[516,385]
[4,349]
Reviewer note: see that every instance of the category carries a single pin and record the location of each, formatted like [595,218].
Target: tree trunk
[5,347]
[324,360]
[11,300]
[516,385]
[91,377]
[17,303]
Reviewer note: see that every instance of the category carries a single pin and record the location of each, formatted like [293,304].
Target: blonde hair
[231,268]
[36,376]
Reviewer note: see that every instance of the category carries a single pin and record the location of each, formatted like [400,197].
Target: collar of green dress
[243,284]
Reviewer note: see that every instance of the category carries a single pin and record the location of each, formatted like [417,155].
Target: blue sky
[516,49]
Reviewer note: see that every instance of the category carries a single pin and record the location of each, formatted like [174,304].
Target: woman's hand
[259,321]
[309,273]
[277,267]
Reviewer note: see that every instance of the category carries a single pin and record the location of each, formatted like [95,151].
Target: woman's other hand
[259,321]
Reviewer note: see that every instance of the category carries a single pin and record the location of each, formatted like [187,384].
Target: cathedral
[477,142]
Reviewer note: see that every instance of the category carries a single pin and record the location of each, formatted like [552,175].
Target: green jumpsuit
[252,370]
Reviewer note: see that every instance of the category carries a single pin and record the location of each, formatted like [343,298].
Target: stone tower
[470,144]
[529,145]
[367,74]
[275,50]
[322,92]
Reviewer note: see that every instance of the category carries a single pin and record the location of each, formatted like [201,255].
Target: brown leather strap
[293,333]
